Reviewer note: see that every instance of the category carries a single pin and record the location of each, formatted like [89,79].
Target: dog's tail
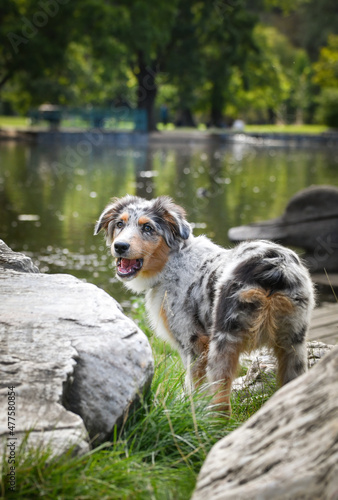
[274,294]
[270,309]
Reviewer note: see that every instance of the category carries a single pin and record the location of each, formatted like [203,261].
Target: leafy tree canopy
[33,37]
[326,68]
[195,55]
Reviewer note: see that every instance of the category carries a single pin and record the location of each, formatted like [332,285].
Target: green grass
[21,121]
[157,453]
[287,129]
[275,129]
[14,121]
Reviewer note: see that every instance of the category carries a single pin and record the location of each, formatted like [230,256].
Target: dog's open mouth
[128,267]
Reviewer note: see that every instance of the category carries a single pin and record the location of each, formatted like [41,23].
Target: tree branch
[5,79]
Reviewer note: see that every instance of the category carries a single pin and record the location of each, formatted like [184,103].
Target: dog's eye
[147,228]
[120,224]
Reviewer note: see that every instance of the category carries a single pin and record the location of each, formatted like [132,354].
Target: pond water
[51,195]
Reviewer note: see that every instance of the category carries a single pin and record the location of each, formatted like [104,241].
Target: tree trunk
[185,118]
[299,116]
[217,105]
[147,91]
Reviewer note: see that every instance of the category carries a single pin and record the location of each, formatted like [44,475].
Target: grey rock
[15,260]
[262,368]
[76,361]
[316,351]
[287,450]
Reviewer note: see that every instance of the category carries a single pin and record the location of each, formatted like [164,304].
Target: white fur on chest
[155,309]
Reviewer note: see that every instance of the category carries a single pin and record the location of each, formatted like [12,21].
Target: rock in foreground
[75,361]
[287,450]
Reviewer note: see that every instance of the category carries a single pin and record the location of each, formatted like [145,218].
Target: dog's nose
[121,247]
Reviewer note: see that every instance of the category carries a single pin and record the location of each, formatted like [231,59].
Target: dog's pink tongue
[127,264]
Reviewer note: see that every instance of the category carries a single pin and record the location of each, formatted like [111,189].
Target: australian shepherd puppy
[211,303]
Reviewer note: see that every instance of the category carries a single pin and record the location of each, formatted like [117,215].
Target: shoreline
[177,137]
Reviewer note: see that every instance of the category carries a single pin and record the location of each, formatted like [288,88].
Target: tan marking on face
[124,217]
[155,256]
[143,220]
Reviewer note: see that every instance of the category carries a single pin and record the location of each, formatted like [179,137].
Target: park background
[187,62]
[191,69]
[107,74]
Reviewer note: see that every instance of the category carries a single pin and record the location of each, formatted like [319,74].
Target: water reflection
[51,196]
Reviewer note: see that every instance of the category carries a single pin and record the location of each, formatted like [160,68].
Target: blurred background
[103,98]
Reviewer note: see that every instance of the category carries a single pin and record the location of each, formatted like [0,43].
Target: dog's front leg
[188,382]
[196,370]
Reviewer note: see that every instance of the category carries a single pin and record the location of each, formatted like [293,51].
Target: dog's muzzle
[126,268]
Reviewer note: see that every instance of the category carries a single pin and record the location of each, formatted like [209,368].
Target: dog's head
[142,234]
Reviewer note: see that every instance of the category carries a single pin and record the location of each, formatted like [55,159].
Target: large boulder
[75,362]
[287,450]
[310,221]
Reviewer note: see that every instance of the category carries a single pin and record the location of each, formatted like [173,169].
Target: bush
[327,112]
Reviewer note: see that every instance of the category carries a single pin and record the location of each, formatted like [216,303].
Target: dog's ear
[110,214]
[172,220]
[106,217]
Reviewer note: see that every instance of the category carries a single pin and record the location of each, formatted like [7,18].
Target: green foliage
[326,68]
[182,62]
[326,77]
[315,21]
[194,56]
[327,112]
[277,77]
[267,83]
[33,41]
[228,42]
